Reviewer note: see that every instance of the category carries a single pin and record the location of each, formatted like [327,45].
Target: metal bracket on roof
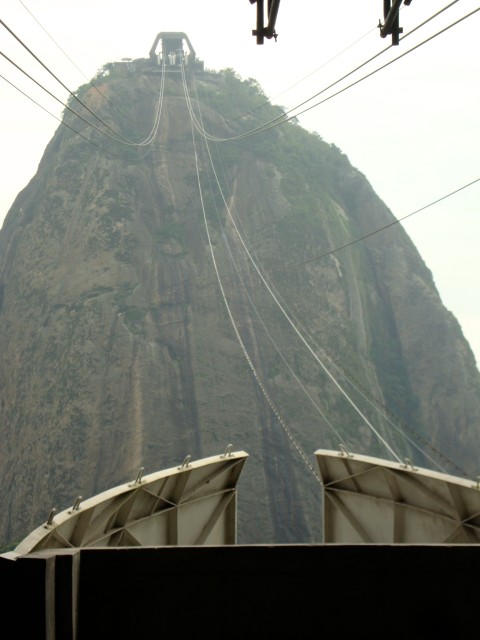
[228,451]
[344,451]
[138,479]
[185,463]
[76,504]
[50,518]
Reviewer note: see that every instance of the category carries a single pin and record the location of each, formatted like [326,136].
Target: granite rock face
[117,348]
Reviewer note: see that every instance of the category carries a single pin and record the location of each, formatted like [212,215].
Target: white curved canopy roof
[370,500]
[193,504]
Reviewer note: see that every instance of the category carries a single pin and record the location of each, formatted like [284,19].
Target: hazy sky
[412,128]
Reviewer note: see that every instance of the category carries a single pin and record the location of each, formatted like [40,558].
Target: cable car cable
[147,140]
[57,99]
[56,118]
[292,324]
[373,403]
[372,233]
[387,64]
[90,82]
[283,118]
[237,333]
[62,84]
[323,65]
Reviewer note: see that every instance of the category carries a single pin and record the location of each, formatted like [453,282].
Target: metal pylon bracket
[391,24]
[262,31]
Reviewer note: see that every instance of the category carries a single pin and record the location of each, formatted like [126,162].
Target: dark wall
[145,592]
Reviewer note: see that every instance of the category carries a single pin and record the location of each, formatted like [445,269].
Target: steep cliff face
[117,348]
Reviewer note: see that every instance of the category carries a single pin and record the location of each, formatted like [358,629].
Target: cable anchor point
[228,452]
[344,451]
[76,505]
[138,479]
[49,522]
[185,464]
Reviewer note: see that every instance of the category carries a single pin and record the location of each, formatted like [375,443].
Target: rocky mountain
[117,347]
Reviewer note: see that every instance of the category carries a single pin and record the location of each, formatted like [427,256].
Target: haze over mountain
[118,350]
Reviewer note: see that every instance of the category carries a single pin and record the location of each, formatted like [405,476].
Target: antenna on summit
[268,31]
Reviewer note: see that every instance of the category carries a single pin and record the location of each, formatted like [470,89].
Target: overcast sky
[412,128]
